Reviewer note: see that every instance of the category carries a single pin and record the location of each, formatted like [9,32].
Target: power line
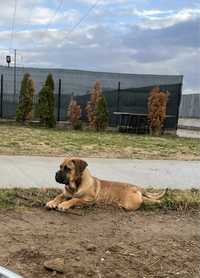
[81,20]
[56,11]
[13,23]
[29,15]
[76,25]
[51,19]
[31,8]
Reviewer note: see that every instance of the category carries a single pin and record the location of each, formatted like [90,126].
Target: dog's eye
[66,168]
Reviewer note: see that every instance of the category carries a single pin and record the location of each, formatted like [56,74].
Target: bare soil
[101,242]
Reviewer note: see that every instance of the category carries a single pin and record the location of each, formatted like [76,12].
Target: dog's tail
[153,196]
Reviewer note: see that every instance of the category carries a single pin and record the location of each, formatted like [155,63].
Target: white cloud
[166,20]
[43,16]
[104,2]
[148,13]
[153,43]
[30,15]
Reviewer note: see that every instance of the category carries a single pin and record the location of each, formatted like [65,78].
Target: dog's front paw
[51,205]
[62,207]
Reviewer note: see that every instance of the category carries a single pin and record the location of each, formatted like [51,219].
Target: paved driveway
[33,171]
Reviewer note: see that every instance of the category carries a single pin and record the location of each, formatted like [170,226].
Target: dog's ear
[80,165]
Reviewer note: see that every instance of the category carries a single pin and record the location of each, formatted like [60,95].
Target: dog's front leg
[56,201]
[70,203]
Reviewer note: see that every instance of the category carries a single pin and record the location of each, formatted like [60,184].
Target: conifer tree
[157,106]
[101,114]
[50,82]
[74,113]
[46,101]
[25,106]
[96,108]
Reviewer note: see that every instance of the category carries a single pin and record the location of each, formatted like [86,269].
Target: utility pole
[14,85]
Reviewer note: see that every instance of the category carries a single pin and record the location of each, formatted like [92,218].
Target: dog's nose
[58,177]
[57,174]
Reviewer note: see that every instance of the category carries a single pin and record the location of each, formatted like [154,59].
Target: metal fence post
[178,103]
[1,103]
[15,70]
[118,95]
[117,103]
[59,99]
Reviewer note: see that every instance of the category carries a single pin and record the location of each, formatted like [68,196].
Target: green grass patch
[180,200]
[33,197]
[16,139]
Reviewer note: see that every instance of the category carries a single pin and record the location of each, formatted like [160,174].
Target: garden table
[134,122]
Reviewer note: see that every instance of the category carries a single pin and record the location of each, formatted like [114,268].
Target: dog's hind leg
[133,201]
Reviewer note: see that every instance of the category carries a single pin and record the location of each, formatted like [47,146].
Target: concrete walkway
[189,128]
[189,123]
[34,171]
[187,133]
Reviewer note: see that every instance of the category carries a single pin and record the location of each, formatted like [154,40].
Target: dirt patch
[101,242]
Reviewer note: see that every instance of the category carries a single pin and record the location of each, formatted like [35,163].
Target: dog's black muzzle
[61,177]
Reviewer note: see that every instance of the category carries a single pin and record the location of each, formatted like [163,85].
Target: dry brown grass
[28,140]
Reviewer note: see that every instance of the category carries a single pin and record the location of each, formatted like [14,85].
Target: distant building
[190,106]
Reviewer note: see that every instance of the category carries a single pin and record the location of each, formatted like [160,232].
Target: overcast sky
[134,36]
